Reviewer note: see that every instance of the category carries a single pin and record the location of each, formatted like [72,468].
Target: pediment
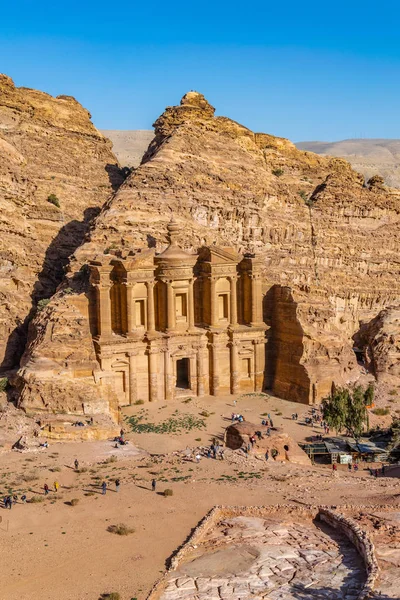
[220,255]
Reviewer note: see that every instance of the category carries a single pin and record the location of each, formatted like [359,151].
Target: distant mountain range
[129,146]
[369,157]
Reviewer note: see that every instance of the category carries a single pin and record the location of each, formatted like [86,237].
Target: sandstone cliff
[48,148]
[329,241]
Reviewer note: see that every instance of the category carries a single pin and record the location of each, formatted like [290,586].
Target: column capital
[150,283]
[132,353]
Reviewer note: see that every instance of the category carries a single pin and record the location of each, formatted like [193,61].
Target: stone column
[153,379]
[255,362]
[169,394]
[234,367]
[129,307]
[200,370]
[191,304]
[132,376]
[104,309]
[213,303]
[259,350]
[256,299]
[233,315]
[215,370]
[151,326]
[171,316]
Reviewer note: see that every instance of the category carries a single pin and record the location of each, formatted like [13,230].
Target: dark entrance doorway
[182,373]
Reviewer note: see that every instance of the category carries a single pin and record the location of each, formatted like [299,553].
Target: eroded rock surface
[48,147]
[272,558]
[328,243]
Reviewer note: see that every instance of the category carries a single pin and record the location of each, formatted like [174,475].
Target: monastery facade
[176,323]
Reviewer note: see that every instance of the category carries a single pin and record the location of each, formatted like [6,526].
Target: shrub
[278,172]
[381,411]
[73,502]
[81,470]
[138,402]
[36,499]
[3,384]
[52,198]
[42,304]
[111,596]
[120,529]
[303,194]
[110,459]
[204,413]
[392,393]
[32,476]
[168,492]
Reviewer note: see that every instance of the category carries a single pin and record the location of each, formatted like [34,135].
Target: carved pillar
[151,326]
[168,376]
[171,317]
[104,308]
[132,376]
[233,315]
[153,379]
[129,307]
[256,299]
[200,370]
[259,364]
[215,370]
[191,304]
[234,367]
[213,303]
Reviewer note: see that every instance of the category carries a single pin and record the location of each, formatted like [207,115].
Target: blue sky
[302,70]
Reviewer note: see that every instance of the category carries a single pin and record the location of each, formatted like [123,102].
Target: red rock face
[48,148]
[329,244]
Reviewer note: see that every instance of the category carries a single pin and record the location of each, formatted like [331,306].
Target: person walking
[56,486]
[117,484]
[153,485]
[266,455]
[76,463]
[104,488]
[23,498]
[9,502]
[46,489]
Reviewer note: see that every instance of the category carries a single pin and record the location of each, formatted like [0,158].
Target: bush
[52,198]
[278,172]
[36,499]
[381,411]
[168,492]
[110,459]
[32,476]
[204,413]
[42,304]
[73,502]
[111,596]
[3,384]
[138,402]
[120,529]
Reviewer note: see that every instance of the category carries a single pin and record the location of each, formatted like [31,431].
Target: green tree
[345,409]
[369,395]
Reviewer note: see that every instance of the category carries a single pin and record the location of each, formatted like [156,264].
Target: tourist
[104,488]
[46,489]
[349,467]
[248,448]
[56,486]
[271,423]
[263,422]
[23,498]
[355,467]
[383,469]
[334,469]
[266,455]
[8,502]
[15,499]
[117,484]
[153,485]
[209,453]
[376,473]
[76,463]
[198,458]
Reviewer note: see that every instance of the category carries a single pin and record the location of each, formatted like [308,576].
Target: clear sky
[303,70]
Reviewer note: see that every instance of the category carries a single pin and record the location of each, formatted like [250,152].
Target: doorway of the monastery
[183,373]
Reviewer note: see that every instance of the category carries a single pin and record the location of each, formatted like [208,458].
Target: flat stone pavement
[246,558]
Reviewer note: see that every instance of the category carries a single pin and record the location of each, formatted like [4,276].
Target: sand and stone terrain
[68,552]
